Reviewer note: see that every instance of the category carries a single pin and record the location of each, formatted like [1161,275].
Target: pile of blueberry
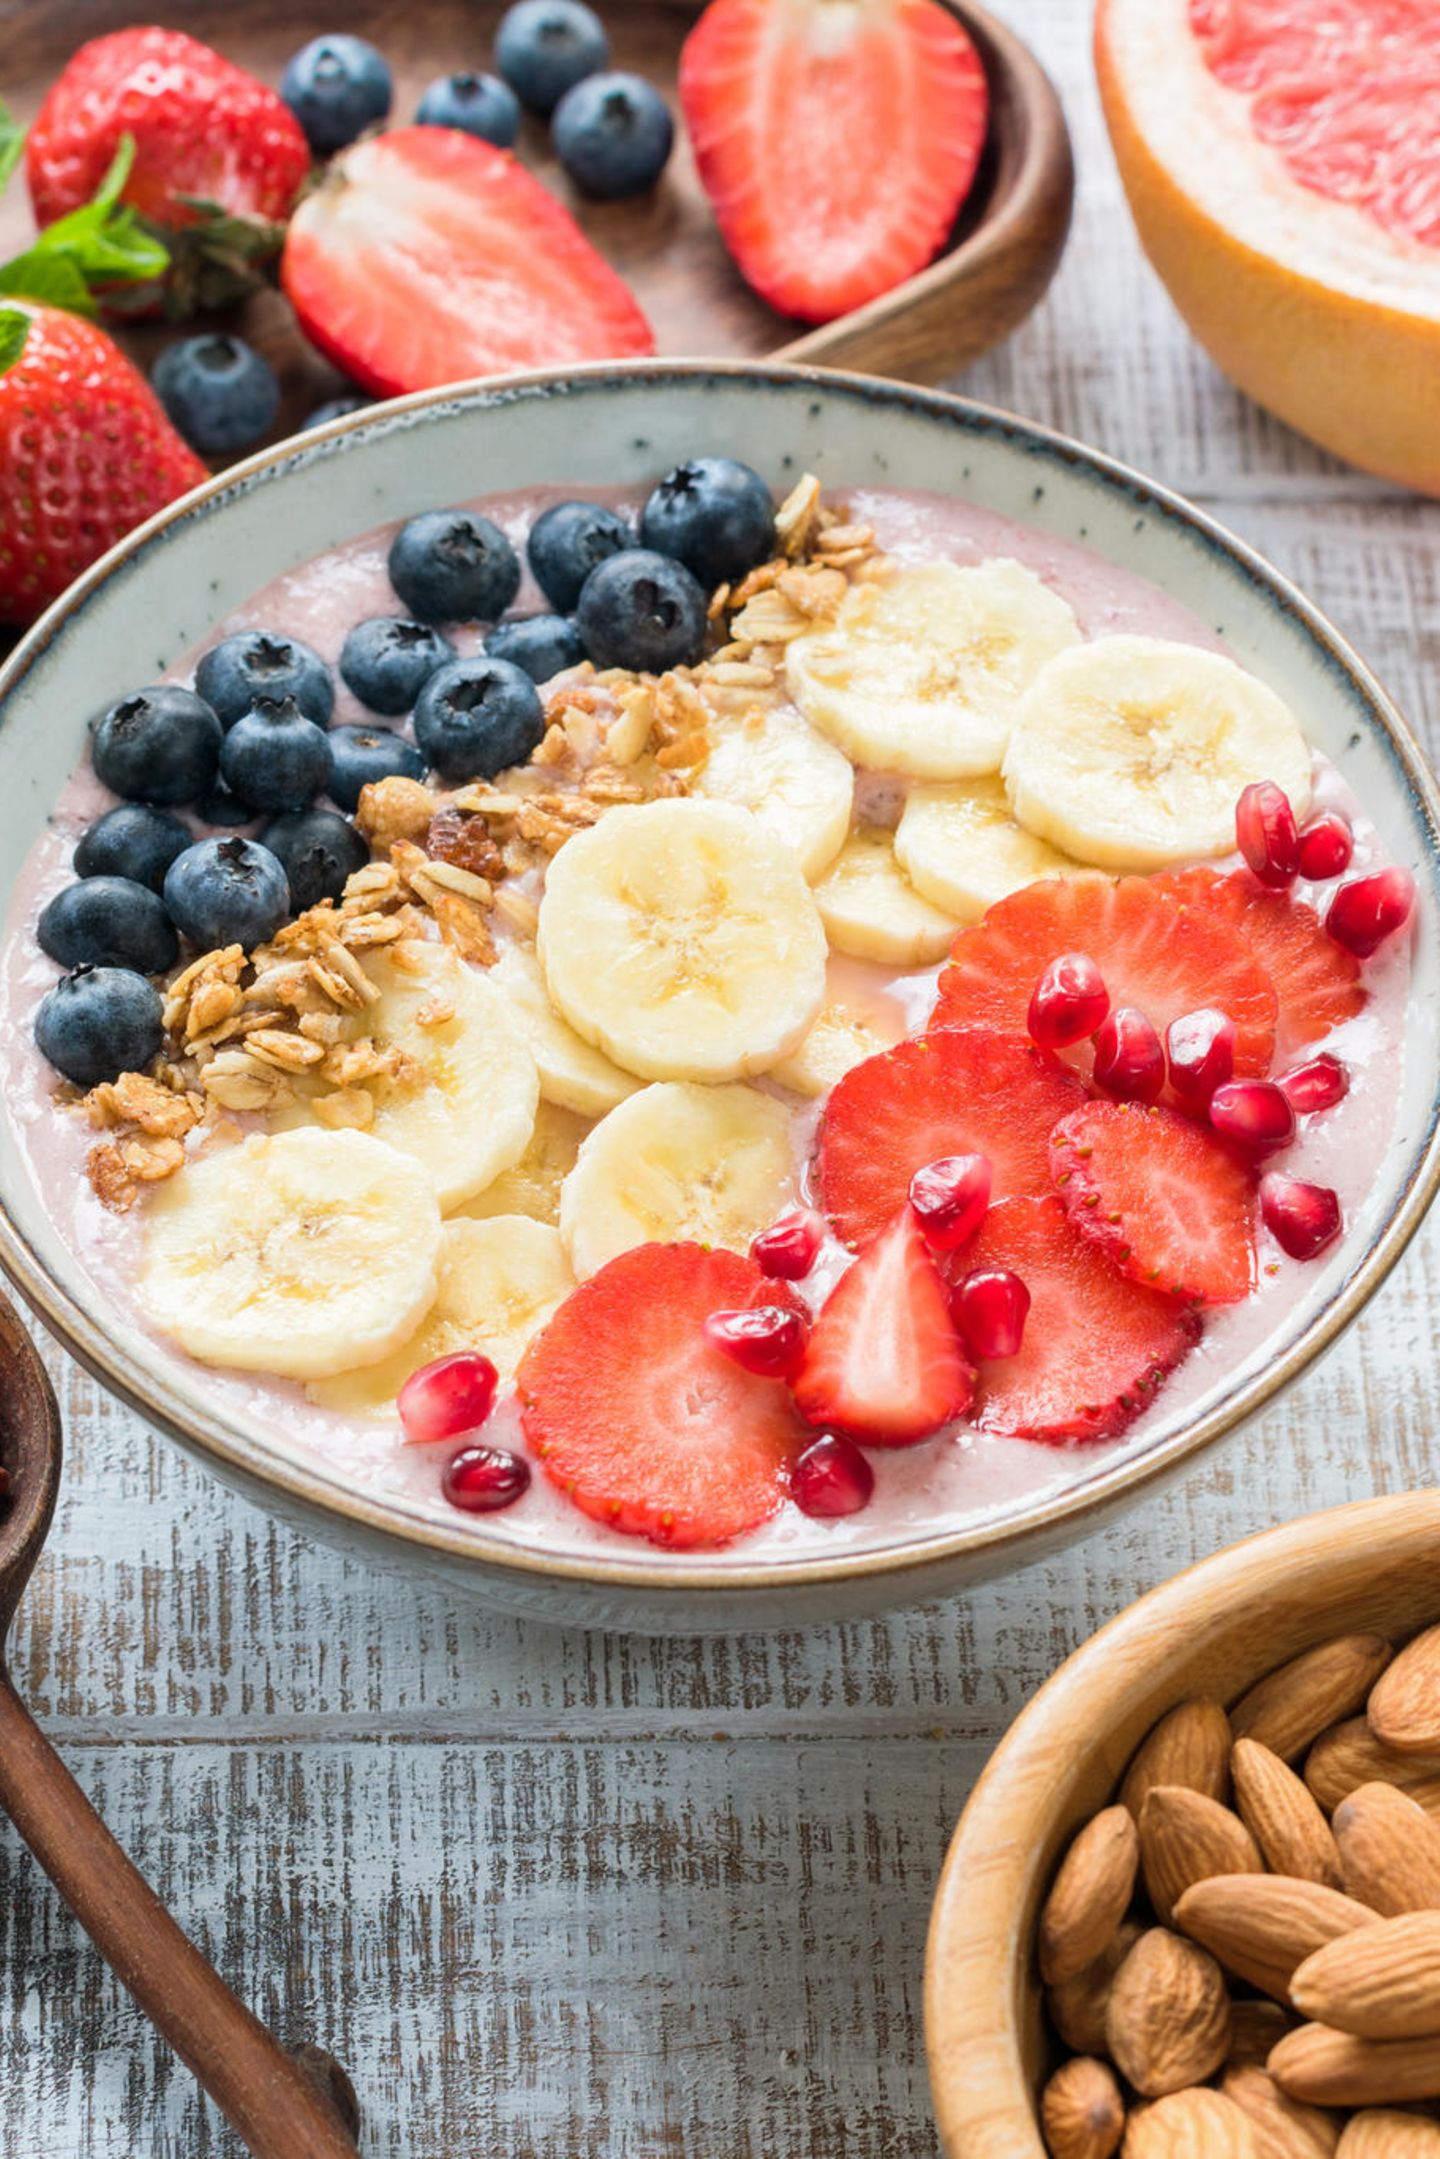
[252,744]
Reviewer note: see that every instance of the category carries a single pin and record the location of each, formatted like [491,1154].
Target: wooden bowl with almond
[1192,1910]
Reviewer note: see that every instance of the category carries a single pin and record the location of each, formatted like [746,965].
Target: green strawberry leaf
[14,329]
[101,245]
[12,146]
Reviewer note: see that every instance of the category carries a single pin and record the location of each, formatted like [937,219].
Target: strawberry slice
[967,1090]
[836,144]
[1097,1347]
[1162,957]
[426,256]
[1166,1200]
[884,1362]
[641,1424]
[1316,981]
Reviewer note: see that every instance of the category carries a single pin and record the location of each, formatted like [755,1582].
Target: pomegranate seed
[950,1197]
[482,1480]
[767,1339]
[989,1308]
[1266,833]
[1320,1084]
[1069,1002]
[452,1395]
[1129,1062]
[786,1250]
[1254,1114]
[1326,845]
[1302,1218]
[1201,1047]
[832,1477]
[1363,914]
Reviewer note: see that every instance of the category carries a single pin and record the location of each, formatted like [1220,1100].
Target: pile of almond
[1242,1955]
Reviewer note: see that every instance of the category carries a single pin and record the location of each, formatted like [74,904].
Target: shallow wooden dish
[1213,1631]
[1004,252]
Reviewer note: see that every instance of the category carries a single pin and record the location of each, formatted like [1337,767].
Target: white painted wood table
[551,1895]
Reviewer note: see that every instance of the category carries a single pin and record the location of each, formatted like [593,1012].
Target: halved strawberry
[836,144]
[1316,981]
[1155,954]
[965,1090]
[426,256]
[1165,1199]
[644,1426]
[1096,1347]
[884,1362]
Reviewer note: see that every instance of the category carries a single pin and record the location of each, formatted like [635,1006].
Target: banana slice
[532,1187]
[571,1072]
[304,1253]
[799,786]
[856,1022]
[680,938]
[499,1282]
[677,1163]
[959,845]
[921,673]
[870,908]
[1129,753]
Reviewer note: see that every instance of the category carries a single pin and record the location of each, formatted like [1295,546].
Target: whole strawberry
[219,160]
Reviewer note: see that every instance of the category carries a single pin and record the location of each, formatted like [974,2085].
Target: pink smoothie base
[920,1491]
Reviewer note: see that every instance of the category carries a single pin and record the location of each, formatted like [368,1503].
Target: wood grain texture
[551,1895]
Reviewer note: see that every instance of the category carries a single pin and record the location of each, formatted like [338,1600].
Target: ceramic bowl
[1214,1631]
[163,589]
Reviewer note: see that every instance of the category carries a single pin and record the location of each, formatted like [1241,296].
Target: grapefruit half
[1282,161]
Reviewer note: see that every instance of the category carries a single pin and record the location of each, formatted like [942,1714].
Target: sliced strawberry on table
[884,1362]
[639,1421]
[1161,1196]
[426,256]
[962,1091]
[1159,956]
[1097,1346]
[836,144]
[1317,983]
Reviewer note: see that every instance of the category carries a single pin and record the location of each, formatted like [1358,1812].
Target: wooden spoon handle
[280,2107]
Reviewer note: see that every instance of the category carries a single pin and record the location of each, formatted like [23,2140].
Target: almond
[1082,2112]
[1185,1838]
[1330,2068]
[1382,1982]
[1292,1706]
[1191,2125]
[1255,2027]
[1167,2023]
[1385,2133]
[1262,1926]
[1349,1755]
[1090,1895]
[1284,2129]
[1283,1816]
[1077,2006]
[1190,1746]
[1404,1705]
[1389,1850]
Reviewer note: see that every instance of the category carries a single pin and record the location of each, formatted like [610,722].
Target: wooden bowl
[1212,1631]
[1004,252]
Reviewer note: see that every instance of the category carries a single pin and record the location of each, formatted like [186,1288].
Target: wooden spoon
[284,2106]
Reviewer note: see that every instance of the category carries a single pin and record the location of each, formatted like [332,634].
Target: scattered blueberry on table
[480,105]
[613,134]
[220,392]
[336,87]
[544,47]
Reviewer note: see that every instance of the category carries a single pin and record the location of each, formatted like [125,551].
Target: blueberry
[160,745]
[317,850]
[220,807]
[109,922]
[542,644]
[714,515]
[99,1022]
[613,134]
[218,390]
[387,661]
[477,104]
[274,758]
[476,717]
[543,46]
[644,611]
[452,566]
[227,892]
[133,841]
[261,663]
[337,408]
[567,541]
[336,87]
[359,755]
